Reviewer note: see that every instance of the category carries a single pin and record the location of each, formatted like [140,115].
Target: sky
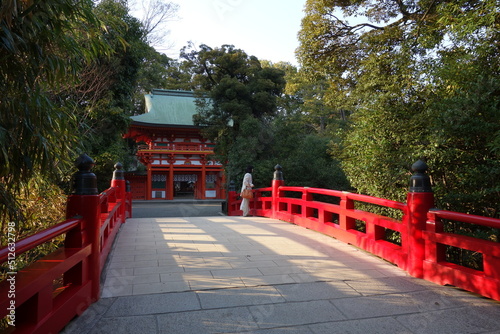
[266,29]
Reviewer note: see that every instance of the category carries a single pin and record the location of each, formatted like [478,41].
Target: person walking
[247,184]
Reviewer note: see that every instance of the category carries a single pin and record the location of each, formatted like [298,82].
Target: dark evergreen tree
[420,79]
[237,98]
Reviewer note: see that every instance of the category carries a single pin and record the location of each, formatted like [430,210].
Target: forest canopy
[380,85]
[420,80]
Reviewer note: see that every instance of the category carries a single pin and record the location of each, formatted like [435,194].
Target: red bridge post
[420,200]
[278,181]
[128,195]
[84,202]
[231,199]
[118,181]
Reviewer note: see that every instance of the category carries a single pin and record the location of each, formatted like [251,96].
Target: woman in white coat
[247,184]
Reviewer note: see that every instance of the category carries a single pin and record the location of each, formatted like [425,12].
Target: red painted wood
[418,206]
[486,282]
[423,242]
[92,224]
[40,238]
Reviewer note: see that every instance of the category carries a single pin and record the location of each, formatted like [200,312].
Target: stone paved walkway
[258,275]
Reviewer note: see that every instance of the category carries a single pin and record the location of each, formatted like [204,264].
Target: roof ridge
[171,92]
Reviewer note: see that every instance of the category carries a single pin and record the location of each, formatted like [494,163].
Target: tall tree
[160,71]
[156,15]
[103,96]
[421,80]
[43,45]
[301,134]
[235,91]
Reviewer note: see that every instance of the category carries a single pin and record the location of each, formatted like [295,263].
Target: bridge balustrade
[421,243]
[437,269]
[93,220]
[176,146]
[46,295]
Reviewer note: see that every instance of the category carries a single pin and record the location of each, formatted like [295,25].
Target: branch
[357,26]
[364,25]
[402,8]
[209,75]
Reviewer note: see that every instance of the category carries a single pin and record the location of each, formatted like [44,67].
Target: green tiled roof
[168,107]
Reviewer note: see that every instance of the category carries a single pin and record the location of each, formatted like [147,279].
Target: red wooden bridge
[29,300]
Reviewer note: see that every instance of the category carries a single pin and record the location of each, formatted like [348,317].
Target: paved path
[177,208]
[257,275]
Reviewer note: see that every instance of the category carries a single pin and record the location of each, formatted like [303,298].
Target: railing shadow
[233,274]
[423,242]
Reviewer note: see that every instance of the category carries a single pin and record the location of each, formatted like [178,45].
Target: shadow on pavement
[177,208]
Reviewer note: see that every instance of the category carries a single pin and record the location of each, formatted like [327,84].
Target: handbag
[246,193]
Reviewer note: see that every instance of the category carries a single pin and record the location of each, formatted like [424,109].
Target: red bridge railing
[421,249]
[45,296]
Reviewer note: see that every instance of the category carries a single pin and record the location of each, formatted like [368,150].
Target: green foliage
[309,165]
[42,204]
[420,79]
[243,109]
[465,120]
[235,94]
[43,46]
[128,40]
[247,150]
[159,71]
[106,89]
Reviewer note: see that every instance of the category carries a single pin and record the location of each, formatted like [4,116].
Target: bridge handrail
[261,190]
[464,218]
[94,220]
[347,195]
[423,242]
[486,282]
[39,238]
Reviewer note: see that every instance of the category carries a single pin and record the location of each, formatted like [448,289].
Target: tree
[43,45]
[160,71]
[156,14]
[414,75]
[465,120]
[300,134]
[103,96]
[234,90]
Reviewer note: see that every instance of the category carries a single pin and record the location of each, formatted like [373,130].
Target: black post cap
[420,181]
[85,182]
[278,174]
[118,172]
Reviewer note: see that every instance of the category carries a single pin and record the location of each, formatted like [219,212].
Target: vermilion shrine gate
[171,147]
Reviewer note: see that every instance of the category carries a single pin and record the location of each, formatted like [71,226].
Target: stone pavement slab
[257,275]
